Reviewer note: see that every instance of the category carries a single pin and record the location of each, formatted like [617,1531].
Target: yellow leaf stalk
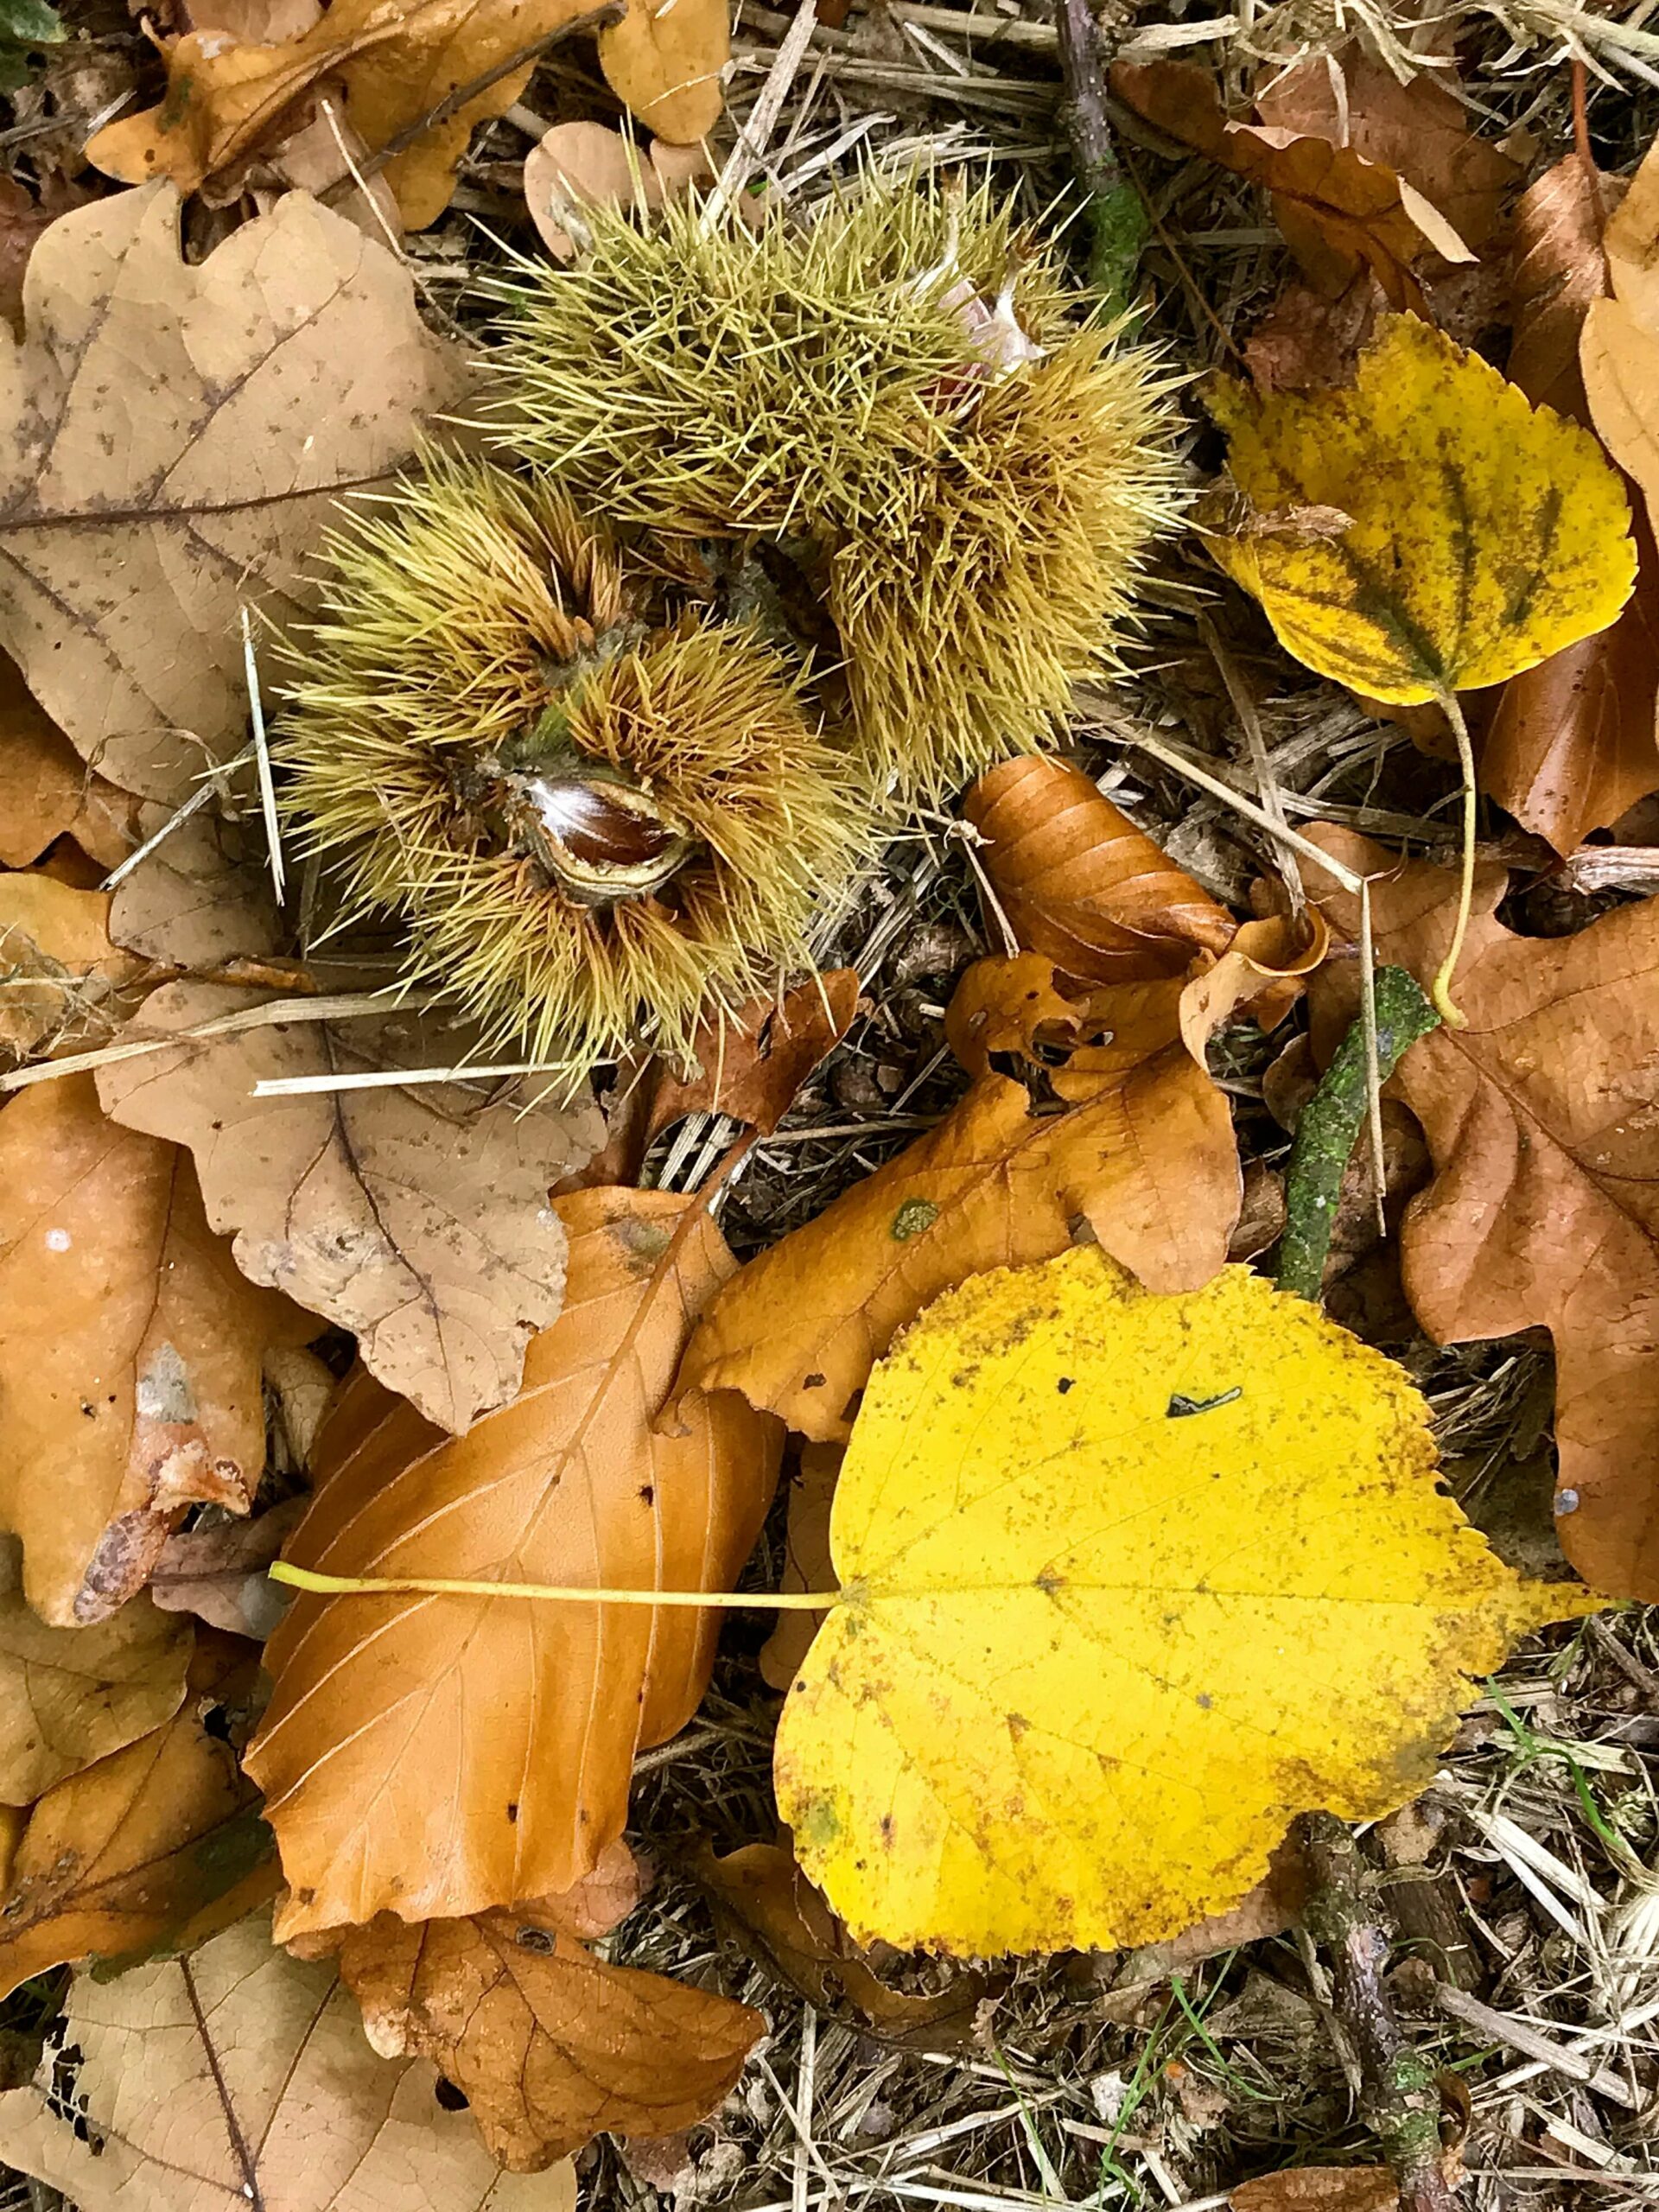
[597,811]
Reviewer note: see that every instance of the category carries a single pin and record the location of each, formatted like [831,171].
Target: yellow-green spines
[598,819]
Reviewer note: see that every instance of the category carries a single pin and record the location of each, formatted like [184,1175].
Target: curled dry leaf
[577,165]
[239,2075]
[1160,1574]
[752,1064]
[126,559]
[385,1793]
[1080,884]
[1541,1120]
[63,985]
[417,1217]
[1339,211]
[49,791]
[218,1572]
[549,2045]
[665,65]
[128,1352]
[153,1849]
[70,1695]
[1618,349]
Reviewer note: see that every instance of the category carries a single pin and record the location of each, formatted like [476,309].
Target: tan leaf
[156,1847]
[577,165]
[807,1564]
[1277,1904]
[416,1218]
[395,61]
[1541,1118]
[1078,882]
[384,1792]
[548,2043]
[219,1573]
[1003,1006]
[240,2076]
[128,1352]
[1618,349]
[1319,2189]
[202,899]
[63,985]
[48,790]
[70,1695]
[288,366]
[664,63]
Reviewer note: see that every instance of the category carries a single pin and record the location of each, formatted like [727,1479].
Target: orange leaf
[50,792]
[664,62]
[437,1756]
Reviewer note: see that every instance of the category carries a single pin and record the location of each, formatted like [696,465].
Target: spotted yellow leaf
[1128,1581]
[1426,529]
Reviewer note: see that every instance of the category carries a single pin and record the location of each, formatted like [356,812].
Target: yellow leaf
[1128,1582]
[664,62]
[1483,534]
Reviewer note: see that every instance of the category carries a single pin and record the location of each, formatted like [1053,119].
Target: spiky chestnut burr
[597,819]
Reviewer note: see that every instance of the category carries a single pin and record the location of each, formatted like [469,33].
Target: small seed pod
[598,818]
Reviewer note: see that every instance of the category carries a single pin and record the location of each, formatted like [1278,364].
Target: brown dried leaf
[218,1572]
[71,1695]
[63,985]
[1079,883]
[1276,1902]
[1319,2189]
[548,2043]
[1308,343]
[417,1217]
[47,791]
[1555,272]
[1005,1005]
[1540,1118]
[577,165]
[807,1563]
[202,899]
[385,1791]
[1339,213]
[1618,349]
[128,1352]
[127,558]
[238,2076]
[156,1847]
[664,65]
[752,1065]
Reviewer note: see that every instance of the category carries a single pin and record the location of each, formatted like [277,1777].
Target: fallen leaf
[125,560]
[806,1559]
[1570,743]
[1079,883]
[49,791]
[1618,349]
[1161,1573]
[1306,341]
[1273,1906]
[202,899]
[240,2076]
[577,165]
[128,1352]
[1007,1006]
[1339,211]
[549,2045]
[1484,534]
[1319,2189]
[63,985]
[1540,1119]
[153,1849]
[387,1789]
[70,1695]
[394,61]
[664,64]
[752,1064]
[219,1573]
[416,1218]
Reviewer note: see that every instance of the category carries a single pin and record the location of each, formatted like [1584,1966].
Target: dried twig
[1112,207]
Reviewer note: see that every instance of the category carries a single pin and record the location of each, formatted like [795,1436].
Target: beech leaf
[417,1217]
[1618,351]
[1156,1574]
[240,2076]
[69,1695]
[577,165]
[385,1791]
[666,64]
[123,561]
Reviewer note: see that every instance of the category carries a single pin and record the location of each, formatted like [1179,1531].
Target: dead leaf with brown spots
[1307,342]
[1077,882]
[123,561]
[202,899]
[1542,1121]
[63,986]
[47,791]
[416,1218]
[384,1792]
[664,64]
[155,1847]
[218,1572]
[128,1352]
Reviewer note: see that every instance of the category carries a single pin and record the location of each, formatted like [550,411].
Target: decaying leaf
[63,985]
[155,1848]
[128,1352]
[1319,2189]
[218,1572]
[1485,534]
[49,791]
[1080,884]
[1618,350]
[664,64]
[1161,1573]
[123,561]
[202,899]
[416,1218]
[240,2076]
[548,2043]
[751,1064]
[385,1794]
[70,1695]
[1541,1119]
[577,165]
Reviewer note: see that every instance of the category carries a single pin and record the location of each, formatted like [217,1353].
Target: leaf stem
[571,1593]
[1441,992]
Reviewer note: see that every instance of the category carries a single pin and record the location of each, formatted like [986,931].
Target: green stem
[1112,207]
[1330,1124]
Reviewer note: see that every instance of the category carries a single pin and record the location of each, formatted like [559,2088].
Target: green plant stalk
[1330,1126]
[1113,210]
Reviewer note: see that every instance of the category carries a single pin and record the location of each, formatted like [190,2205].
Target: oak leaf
[1482,534]
[1541,1119]
[548,2043]
[240,2076]
[416,1218]
[1077,882]
[202,899]
[151,1850]
[665,65]
[128,1352]
[437,1756]
[63,986]
[70,1695]
[49,791]
[123,561]
[1160,1574]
